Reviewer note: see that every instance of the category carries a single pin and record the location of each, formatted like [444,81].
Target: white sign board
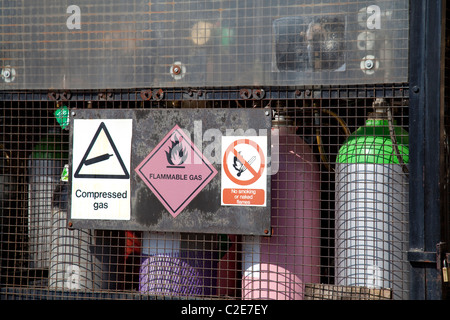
[244,171]
[101,160]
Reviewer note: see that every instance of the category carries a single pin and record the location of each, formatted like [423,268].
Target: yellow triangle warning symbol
[102,159]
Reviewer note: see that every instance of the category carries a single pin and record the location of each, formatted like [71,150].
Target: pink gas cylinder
[278,266]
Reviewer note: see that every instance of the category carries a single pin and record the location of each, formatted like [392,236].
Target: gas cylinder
[73,264]
[372,205]
[160,271]
[176,264]
[8,213]
[44,167]
[278,266]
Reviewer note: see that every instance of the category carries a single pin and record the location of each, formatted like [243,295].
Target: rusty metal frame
[426,106]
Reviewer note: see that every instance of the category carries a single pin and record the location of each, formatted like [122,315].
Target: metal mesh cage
[310,253]
[331,75]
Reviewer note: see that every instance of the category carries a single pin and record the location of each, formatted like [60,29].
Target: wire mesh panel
[339,204]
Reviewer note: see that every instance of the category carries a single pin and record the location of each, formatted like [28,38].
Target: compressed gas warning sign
[162,170]
[101,169]
[244,171]
[102,160]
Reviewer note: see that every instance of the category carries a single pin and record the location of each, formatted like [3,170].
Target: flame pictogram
[239,166]
[177,153]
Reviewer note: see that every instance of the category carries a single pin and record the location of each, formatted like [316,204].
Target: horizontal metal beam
[417,256]
[396,90]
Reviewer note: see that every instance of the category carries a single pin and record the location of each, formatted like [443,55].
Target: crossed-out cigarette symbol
[244,164]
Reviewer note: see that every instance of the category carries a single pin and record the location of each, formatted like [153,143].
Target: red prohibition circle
[256,174]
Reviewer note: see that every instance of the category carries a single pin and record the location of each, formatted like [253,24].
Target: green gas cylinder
[372,143]
[372,206]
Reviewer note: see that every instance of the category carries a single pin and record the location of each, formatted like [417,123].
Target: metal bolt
[158,95]
[146,94]
[258,93]
[8,74]
[369,64]
[176,69]
[245,93]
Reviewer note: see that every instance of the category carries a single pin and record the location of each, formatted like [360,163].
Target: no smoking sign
[244,170]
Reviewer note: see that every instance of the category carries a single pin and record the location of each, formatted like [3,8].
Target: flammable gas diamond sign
[176,171]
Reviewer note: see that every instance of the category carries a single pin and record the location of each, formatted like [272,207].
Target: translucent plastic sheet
[128,44]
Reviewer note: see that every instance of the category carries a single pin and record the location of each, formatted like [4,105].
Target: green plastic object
[65,173]
[372,143]
[62,116]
